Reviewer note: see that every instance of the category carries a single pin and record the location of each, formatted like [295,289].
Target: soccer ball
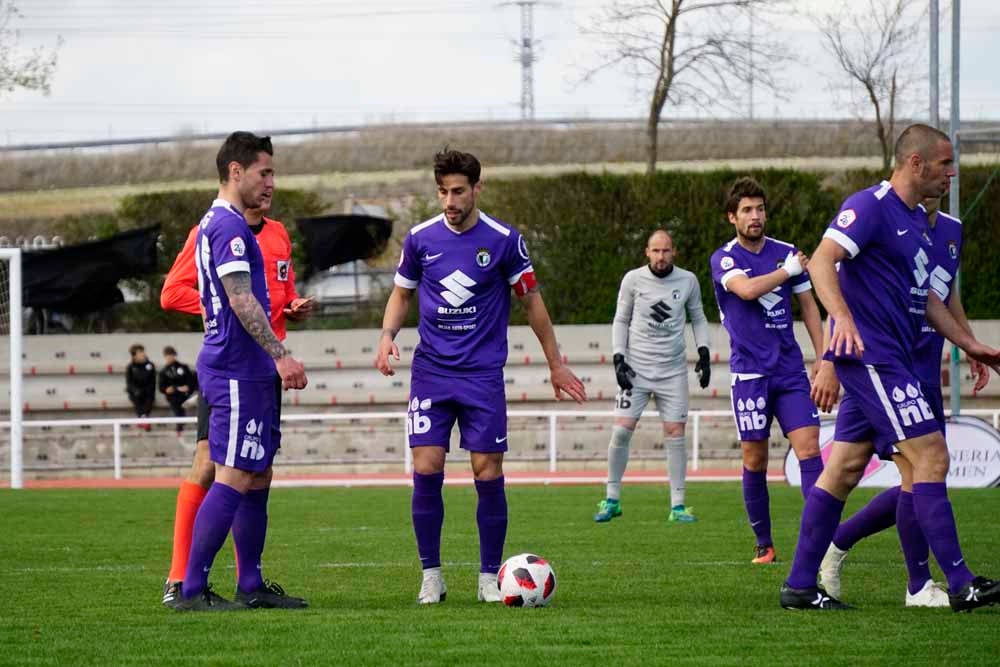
[526,580]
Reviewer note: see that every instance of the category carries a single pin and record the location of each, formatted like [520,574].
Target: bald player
[654,303]
[887,287]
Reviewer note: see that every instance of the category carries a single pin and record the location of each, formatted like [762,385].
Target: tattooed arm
[251,314]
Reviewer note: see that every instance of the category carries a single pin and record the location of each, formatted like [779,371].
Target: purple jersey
[761,337]
[884,278]
[226,244]
[946,235]
[463,282]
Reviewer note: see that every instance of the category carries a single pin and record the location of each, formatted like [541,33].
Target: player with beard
[878,300]
[180,293]
[755,277]
[236,367]
[647,341]
[464,264]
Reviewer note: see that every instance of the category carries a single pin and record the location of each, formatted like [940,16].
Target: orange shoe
[764,554]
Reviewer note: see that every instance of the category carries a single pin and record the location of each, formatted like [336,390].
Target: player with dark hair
[180,293]
[236,367]
[464,264]
[879,300]
[755,277]
[647,341]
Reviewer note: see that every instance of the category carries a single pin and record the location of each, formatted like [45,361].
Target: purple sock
[428,516]
[811,469]
[933,510]
[911,538]
[249,533]
[491,517]
[758,504]
[211,525]
[820,517]
[876,516]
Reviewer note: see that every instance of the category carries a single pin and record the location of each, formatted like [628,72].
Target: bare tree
[32,70]
[694,52]
[876,50]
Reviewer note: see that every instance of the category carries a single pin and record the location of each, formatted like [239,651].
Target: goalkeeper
[654,303]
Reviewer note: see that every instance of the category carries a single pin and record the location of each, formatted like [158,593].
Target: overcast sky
[147,67]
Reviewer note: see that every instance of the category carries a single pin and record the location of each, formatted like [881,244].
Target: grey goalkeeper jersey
[650,318]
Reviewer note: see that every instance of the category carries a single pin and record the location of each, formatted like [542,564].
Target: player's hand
[845,339]
[623,372]
[563,380]
[168,390]
[386,347]
[795,263]
[981,375]
[825,387]
[299,309]
[703,367]
[292,372]
[984,354]
[183,388]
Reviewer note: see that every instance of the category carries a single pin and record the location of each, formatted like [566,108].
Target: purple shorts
[757,401]
[243,420]
[478,402]
[882,404]
[934,398]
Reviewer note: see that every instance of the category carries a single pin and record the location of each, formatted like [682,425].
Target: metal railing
[553,416]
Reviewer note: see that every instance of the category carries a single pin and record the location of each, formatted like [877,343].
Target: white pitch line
[544,480]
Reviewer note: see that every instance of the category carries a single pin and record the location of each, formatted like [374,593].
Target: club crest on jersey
[676,294]
[727,263]
[237,247]
[846,218]
[522,248]
[283,270]
[952,249]
[483,258]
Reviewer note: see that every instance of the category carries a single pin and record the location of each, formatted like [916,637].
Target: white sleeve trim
[404,282]
[517,276]
[844,241]
[804,287]
[729,275]
[233,267]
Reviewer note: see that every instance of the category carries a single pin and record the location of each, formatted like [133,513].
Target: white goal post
[11,316]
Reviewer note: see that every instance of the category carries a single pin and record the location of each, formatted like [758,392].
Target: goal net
[11,436]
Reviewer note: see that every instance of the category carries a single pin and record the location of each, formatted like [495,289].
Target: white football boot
[489,588]
[829,570]
[931,595]
[432,589]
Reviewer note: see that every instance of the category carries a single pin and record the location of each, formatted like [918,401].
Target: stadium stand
[81,377]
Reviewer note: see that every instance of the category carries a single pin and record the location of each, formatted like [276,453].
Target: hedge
[585,231]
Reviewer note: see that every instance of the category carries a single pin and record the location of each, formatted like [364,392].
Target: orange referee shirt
[180,289]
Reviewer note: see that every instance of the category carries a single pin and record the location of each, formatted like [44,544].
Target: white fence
[553,416]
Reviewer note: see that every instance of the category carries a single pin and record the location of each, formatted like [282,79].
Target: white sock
[677,468]
[621,437]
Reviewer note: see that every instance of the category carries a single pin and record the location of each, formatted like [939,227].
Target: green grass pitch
[82,574]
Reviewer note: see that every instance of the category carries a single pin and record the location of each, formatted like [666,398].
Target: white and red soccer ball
[526,580]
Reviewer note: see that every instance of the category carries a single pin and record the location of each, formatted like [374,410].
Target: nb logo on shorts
[911,405]
[747,416]
[416,423]
[456,283]
[252,448]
